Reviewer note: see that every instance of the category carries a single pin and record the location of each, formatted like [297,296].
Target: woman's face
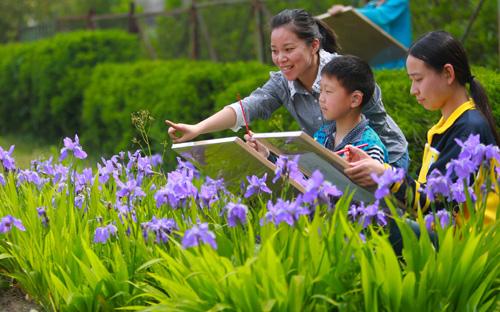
[292,55]
[430,87]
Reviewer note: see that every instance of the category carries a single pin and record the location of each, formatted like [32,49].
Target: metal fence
[193,32]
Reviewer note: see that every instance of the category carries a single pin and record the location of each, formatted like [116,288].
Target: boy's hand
[361,166]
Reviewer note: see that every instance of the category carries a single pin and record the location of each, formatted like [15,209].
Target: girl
[301,46]
[439,72]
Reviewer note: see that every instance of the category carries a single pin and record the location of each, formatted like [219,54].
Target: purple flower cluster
[442,217]
[371,214]
[453,184]
[8,222]
[285,211]
[199,233]
[162,228]
[236,213]
[102,234]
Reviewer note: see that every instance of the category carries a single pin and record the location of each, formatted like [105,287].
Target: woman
[439,72]
[301,46]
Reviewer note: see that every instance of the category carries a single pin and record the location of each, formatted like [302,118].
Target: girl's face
[335,101]
[430,87]
[292,55]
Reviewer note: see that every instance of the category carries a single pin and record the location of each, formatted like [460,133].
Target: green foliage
[42,83]
[453,16]
[320,263]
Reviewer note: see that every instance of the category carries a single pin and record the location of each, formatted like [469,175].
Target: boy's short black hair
[353,74]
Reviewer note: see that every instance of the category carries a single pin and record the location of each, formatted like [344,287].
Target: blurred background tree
[228,31]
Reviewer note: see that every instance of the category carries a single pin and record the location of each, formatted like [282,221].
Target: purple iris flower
[102,234]
[161,197]
[60,174]
[437,184]
[72,146]
[209,193]
[187,168]
[458,192]
[2,179]
[288,168]
[8,222]
[236,212]
[429,221]
[28,176]
[178,190]
[156,160]
[125,210]
[355,212]
[144,166]
[444,217]
[320,191]
[373,213]
[42,213]
[162,228]
[130,189]
[386,180]
[199,234]
[6,157]
[108,169]
[462,168]
[84,179]
[257,186]
[79,199]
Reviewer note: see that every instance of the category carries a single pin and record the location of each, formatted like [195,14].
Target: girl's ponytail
[438,48]
[481,100]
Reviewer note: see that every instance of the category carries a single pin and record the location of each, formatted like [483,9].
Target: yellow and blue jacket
[440,149]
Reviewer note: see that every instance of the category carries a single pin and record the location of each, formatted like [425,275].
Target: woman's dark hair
[438,48]
[353,74]
[306,28]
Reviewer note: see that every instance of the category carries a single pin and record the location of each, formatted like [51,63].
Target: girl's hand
[187,132]
[256,145]
[361,166]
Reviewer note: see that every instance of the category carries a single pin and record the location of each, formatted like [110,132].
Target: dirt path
[13,300]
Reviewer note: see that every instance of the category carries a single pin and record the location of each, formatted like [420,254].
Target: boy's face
[335,101]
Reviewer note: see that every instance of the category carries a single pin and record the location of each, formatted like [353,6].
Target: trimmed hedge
[188,91]
[180,90]
[42,83]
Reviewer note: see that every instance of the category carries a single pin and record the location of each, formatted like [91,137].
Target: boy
[346,85]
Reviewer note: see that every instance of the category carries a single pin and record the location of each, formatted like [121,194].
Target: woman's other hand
[180,132]
[256,145]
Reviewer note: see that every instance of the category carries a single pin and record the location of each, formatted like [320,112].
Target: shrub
[42,83]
